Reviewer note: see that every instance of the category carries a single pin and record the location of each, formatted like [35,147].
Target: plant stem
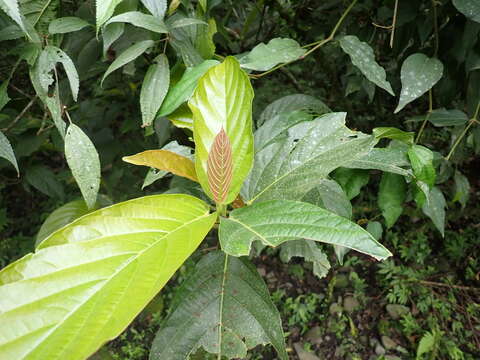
[430,108]
[318,44]
[394,23]
[19,116]
[472,121]
[435,26]
[222,297]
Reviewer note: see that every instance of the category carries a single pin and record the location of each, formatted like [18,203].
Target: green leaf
[11,9]
[87,281]
[110,34]
[329,195]
[4,98]
[154,88]
[82,158]
[186,22]
[265,56]
[421,159]
[363,58]
[183,89]
[222,306]
[66,24]
[60,217]
[220,167]
[469,8]
[426,344]
[182,118]
[277,221]
[223,100]
[351,180]
[204,43]
[434,208]
[309,251]
[128,55]
[392,194]
[391,159]
[394,134]
[142,20]
[419,73]
[443,117]
[291,103]
[44,180]
[6,152]
[375,228]
[104,10]
[462,188]
[291,167]
[156,7]
[48,59]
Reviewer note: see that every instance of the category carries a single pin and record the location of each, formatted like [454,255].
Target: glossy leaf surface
[75,292]
[83,160]
[277,221]
[154,88]
[364,59]
[223,306]
[223,100]
[418,74]
[291,167]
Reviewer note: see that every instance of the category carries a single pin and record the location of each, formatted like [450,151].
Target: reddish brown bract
[219,166]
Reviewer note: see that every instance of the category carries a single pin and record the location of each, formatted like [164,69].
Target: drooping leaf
[104,10]
[154,88]
[48,59]
[329,195]
[277,221]
[140,19]
[182,117]
[44,180]
[291,103]
[223,100]
[66,24]
[291,167]
[363,58]
[469,8]
[375,228]
[393,160]
[462,188]
[434,208]
[394,134]
[351,180]
[110,34]
[265,56]
[6,151]
[391,196]
[128,55]
[224,307]
[83,161]
[99,272]
[220,167]
[421,159]
[309,251]
[11,9]
[418,74]
[183,40]
[204,43]
[156,7]
[165,160]
[183,89]
[443,117]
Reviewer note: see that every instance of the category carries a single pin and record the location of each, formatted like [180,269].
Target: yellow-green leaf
[223,99]
[165,160]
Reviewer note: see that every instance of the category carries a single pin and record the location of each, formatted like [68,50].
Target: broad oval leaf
[44,180]
[393,160]
[104,10]
[156,7]
[82,158]
[469,8]
[223,100]
[277,221]
[289,168]
[364,59]
[66,24]
[6,151]
[224,307]
[128,55]
[265,56]
[421,159]
[165,160]
[434,208]
[391,195]
[183,89]
[329,195]
[154,88]
[87,281]
[142,20]
[418,74]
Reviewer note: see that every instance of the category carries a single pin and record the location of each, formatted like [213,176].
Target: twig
[472,121]
[20,91]
[318,44]
[19,116]
[430,109]
[394,23]
[438,284]
[435,26]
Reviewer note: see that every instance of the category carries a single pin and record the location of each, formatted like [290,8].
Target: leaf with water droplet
[82,158]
